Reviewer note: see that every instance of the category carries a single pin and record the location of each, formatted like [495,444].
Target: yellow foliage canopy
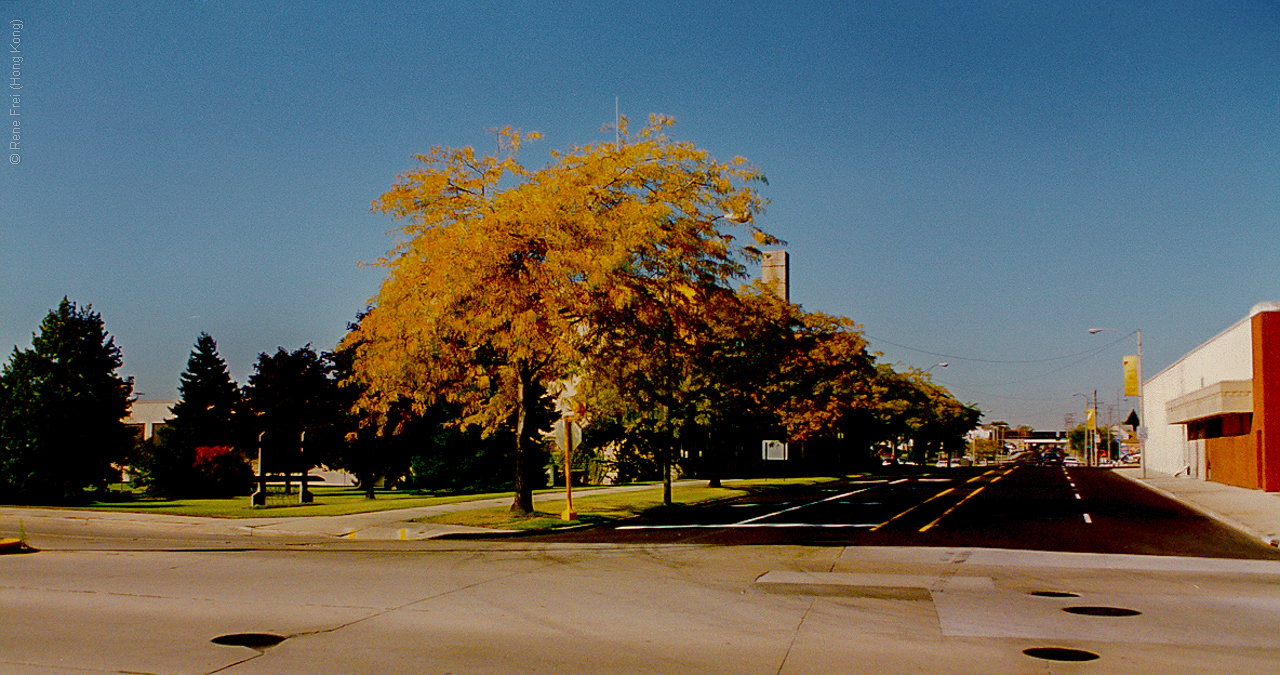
[501,275]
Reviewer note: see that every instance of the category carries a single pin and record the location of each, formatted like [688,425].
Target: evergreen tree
[203,419]
[61,406]
[210,399]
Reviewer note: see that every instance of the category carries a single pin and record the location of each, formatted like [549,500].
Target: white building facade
[1206,413]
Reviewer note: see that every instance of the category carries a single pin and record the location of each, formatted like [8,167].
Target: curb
[1209,513]
[14,546]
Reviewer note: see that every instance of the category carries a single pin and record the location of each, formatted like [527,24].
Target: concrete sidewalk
[1253,512]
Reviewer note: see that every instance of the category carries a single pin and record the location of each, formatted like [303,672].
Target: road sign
[774,450]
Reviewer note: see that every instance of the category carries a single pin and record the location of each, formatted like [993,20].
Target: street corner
[8,546]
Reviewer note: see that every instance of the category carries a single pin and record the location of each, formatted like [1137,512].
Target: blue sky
[975,182]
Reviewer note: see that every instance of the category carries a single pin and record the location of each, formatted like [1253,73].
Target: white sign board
[774,450]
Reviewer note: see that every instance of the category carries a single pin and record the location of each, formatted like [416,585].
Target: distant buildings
[147,416]
[1214,414]
[1012,441]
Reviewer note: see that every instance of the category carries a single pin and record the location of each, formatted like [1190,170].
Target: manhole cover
[1060,654]
[250,640]
[1054,594]
[1102,611]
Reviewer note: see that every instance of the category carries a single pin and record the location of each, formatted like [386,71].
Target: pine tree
[204,415]
[203,419]
[61,406]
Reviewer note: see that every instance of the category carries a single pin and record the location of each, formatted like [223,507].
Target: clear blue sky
[975,182]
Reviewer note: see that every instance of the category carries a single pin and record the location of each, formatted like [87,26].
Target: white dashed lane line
[1076,491]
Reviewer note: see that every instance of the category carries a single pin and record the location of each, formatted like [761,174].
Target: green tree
[1108,446]
[738,376]
[508,280]
[288,395]
[61,406]
[942,424]
[204,417]
[907,408]
[209,400]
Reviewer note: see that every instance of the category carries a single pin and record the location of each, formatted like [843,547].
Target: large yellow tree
[505,280]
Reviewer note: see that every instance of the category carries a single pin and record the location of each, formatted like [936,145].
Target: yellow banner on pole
[1131,376]
[1091,419]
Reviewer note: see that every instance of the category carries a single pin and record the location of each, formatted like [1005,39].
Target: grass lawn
[338,501]
[593,509]
[329,501]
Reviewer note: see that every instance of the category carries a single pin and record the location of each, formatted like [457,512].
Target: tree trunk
[709,461]
[522,504]
[712,461]
[666,456]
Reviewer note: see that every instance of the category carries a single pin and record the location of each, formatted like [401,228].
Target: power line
[1089,352]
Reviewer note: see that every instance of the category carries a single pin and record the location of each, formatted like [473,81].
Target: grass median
[328,501]
[594,508]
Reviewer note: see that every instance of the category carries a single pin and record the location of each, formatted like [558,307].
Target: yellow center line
[946,513]
[971,495]
[912,509]
[928,500]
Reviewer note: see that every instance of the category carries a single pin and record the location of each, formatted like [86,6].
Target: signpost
[568,514]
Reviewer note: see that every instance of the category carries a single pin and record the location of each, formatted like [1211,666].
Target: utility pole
[1095,428]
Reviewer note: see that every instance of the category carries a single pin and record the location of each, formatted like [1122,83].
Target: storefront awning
[1222,398]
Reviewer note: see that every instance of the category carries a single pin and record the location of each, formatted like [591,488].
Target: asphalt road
[1045,508]
[520,607]
[918,573]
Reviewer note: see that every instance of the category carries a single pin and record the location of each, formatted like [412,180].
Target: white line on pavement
[701,526]
[793,508]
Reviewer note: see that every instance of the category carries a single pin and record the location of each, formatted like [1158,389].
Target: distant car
[1071,461]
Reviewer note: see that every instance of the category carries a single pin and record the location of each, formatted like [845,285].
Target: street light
[944,364]
[1141,430]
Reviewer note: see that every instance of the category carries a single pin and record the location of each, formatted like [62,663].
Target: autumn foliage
[506,280]
[610,269]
